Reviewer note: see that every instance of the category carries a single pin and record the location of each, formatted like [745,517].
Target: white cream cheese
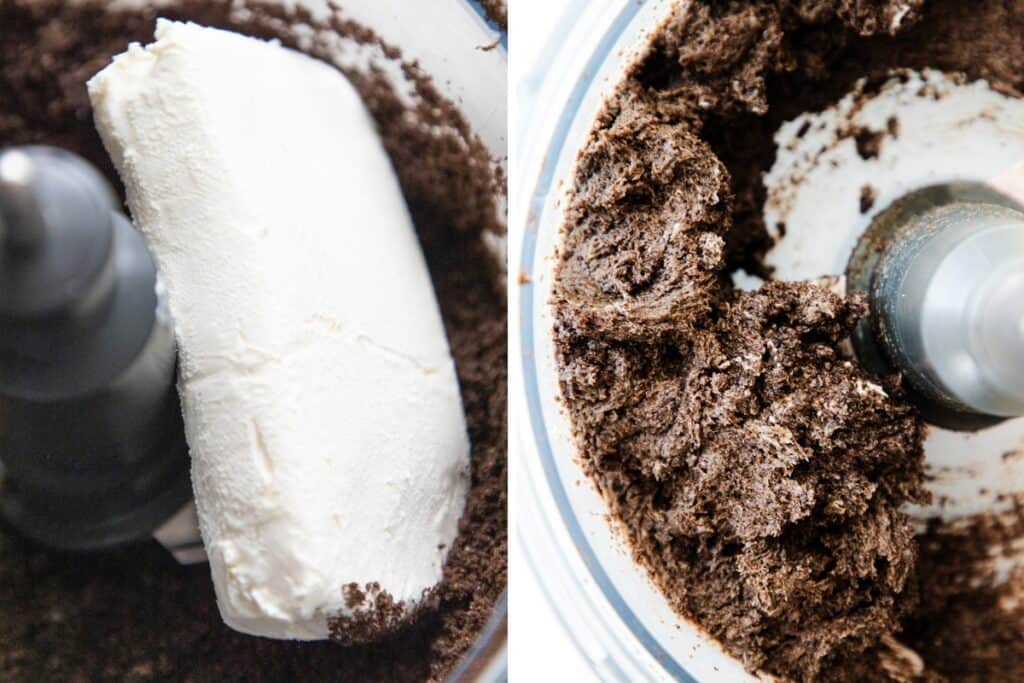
[321,404]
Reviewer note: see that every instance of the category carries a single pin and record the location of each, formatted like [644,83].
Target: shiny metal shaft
[945,282]
[22,224]
[92,446]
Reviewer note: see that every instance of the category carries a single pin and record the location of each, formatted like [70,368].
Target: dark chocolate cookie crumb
[497,11]
[869,143]
[375,611]
[867,198]
[134,614]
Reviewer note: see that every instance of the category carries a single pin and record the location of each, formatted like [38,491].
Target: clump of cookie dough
[757,472]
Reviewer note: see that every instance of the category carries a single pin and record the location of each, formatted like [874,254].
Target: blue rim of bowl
[528,257]
[479,9]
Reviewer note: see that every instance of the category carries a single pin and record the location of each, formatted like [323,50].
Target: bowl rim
[534,430]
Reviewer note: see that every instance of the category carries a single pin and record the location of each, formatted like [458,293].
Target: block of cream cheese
[322,409]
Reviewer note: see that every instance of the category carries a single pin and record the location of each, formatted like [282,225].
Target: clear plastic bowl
[446,38]
[619,621]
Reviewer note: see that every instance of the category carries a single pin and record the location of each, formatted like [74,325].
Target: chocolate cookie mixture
[973,591]
[758,473]
[134,614]
[497,10]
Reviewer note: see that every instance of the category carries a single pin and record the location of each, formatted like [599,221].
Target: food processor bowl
[465,54]
[617,618]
